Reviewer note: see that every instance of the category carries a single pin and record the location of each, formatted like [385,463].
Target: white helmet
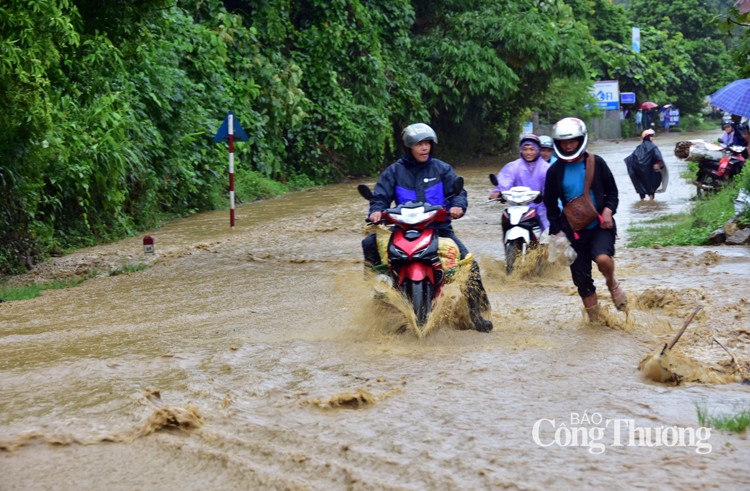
[570,129]
[417,132]
[545,141]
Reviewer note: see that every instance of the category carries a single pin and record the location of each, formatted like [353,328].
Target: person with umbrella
[734,98]
[647,108]
[644,166]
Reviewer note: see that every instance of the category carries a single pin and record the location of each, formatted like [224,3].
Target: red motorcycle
[414,264]
[715,174]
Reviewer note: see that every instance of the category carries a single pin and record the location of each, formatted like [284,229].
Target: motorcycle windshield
[413,216]
[520,198]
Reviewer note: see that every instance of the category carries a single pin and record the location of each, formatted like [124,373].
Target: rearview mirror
[364,191]
[493,179]
[458,186]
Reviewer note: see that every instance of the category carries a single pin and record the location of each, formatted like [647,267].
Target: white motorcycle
[521,226]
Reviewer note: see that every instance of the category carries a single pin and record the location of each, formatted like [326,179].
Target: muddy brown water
[255,358]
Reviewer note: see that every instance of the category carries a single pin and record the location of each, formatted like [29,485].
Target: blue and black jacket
[406,180]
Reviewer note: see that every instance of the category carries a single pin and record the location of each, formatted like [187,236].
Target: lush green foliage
[27,292]
[694,227]
[683,55]
[738,26]
[736,422]
[487,65]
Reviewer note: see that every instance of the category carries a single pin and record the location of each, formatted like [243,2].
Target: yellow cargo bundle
[450,255]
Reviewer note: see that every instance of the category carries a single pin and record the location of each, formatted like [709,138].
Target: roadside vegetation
[737,422]
[33,290]
[693,227]
[27,292]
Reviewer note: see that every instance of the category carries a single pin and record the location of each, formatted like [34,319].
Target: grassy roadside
[26,292]
[692,228]
[735,422]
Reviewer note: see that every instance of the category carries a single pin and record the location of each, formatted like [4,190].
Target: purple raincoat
[522,173]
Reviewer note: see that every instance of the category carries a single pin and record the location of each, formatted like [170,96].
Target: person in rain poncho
[530,170]
[644,166]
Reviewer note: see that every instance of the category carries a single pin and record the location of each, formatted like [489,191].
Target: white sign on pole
[608,94]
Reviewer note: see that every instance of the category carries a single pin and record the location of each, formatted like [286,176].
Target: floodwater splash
[160,418]
[678,365]
[359,398]
[386,311]
[675,368]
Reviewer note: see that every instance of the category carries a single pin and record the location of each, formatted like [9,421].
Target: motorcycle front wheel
[708,184]
[512,253]
[420,295]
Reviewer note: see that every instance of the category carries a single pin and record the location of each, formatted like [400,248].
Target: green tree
[32,37]
[709,50]
[663,71]
[486,63]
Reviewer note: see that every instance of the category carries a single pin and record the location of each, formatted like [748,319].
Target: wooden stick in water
[682,330]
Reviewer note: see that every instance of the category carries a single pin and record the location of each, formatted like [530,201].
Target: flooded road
[255,358]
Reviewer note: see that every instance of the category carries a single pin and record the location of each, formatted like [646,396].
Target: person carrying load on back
[530,170]
[581,179]
[645,166]
[418,176]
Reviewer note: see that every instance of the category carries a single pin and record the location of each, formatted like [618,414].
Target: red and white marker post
[231,169]
[227,133]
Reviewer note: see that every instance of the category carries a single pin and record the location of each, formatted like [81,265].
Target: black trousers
[590,244]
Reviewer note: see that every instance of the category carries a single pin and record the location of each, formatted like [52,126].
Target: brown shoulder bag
[580,211]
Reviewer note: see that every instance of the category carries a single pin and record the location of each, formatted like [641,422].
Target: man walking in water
[566,180]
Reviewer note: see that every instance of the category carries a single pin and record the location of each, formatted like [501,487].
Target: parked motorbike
[521,226]
[414,265]
[715,174]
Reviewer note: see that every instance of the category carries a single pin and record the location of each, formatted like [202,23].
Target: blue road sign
[223,133]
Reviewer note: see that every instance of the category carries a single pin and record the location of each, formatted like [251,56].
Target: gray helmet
[545,142]
[529,138]
[570,129]
[417,132]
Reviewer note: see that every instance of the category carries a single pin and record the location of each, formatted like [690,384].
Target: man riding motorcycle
[418,176]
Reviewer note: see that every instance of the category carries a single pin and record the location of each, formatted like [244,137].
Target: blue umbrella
[734,98]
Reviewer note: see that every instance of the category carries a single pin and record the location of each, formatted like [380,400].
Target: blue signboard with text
[627,98]
[674,116]
[608,94]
